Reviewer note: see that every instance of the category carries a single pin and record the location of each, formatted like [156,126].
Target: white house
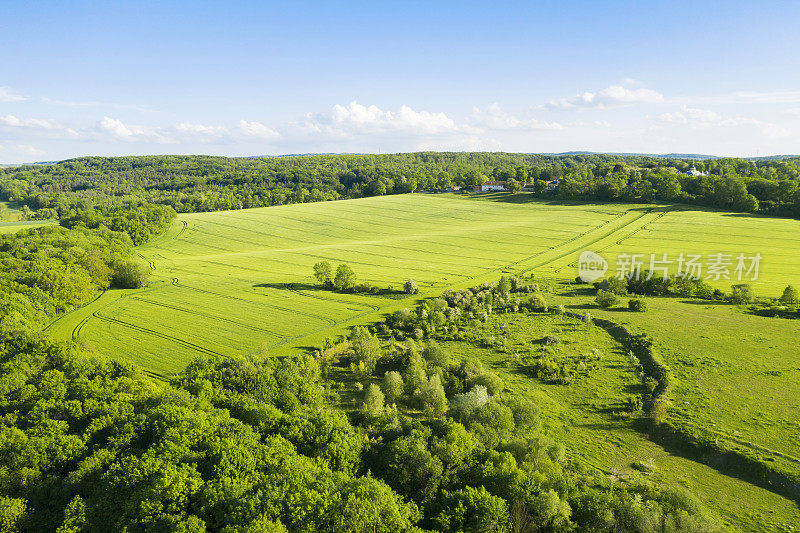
[552,185]
[694,172]
[493,186]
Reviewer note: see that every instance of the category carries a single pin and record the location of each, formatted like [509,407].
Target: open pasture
[736,374]
[241,281]
[587,413]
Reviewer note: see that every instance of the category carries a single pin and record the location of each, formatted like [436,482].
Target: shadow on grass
[699,301]
[386,292]
[729,463]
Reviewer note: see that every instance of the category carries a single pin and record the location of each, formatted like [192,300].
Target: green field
[13,227]
[241,282]
[737,374]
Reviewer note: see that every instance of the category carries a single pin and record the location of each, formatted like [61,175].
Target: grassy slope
[217,273]
[13,227]
[233,282]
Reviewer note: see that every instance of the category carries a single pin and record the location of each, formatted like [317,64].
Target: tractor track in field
[177,283]
[210,316]
[619,242]
[149,331]
[572,240]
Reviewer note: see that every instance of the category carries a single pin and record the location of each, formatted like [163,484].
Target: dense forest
[50,270]
[204,183]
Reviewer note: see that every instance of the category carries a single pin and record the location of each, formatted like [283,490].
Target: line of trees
[204,183]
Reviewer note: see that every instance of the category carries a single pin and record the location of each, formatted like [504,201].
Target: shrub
[537,302]
[606,299]
[373,402]
[322,271]
[366,349]
[741,293]
[464,404]
[790,295]
[615,285]
[551,339]
[435,354]
[635,304]
[130,275]
[559,309]
[431,396]
[491,381]
[633,404]
[410,287]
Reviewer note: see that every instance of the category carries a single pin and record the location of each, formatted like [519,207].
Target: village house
[694,172]
[528,187]
[552,185]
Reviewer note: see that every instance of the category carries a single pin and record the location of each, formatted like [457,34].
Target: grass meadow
[15,226]
[588,414]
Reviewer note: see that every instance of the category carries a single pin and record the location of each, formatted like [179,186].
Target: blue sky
[246,78]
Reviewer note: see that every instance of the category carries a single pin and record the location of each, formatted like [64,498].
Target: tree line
[205,183]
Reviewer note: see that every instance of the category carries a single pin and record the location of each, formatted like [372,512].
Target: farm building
[528,187]
[552,185]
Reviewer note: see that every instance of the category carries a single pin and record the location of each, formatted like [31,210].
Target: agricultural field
[241,281]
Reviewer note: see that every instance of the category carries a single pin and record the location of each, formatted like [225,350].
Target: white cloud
[116,128]
[27,149]
[7,95]
[691,115]
[256,129]
[122,131]
[200,129]
[742,98]
[494,118]
[795,112]
[38,123]
[706,118]
[355,118]
[50,126]
[612,96]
